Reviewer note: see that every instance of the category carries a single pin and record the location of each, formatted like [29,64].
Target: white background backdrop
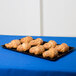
[22,17]
[59,17]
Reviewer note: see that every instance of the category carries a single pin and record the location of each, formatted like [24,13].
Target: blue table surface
[18,64]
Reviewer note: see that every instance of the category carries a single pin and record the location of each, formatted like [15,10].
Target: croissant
[9,45]
[37,41]
[52,52]
[24,47]
[62,48]
[13,44]
[50,44]
[37,49]
[26,39]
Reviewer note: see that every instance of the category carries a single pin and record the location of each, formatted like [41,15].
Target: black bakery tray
[71,49]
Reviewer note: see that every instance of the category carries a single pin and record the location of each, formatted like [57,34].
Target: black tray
[40,56]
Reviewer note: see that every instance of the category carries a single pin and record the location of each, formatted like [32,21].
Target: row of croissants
[36,46]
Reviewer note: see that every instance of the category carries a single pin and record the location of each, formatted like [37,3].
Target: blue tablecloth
[17,64]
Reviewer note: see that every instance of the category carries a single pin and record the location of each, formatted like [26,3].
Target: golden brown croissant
[37,41]
[50,44]
[13,44]
[8,45]
[24,47]
[26,39]
[37,49]
[52,52]
[62,48]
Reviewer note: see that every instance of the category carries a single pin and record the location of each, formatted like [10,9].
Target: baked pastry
[50,44]
[13,44]
[37,49]
[9,45]
[62,48]
[37,41]
[52,52]
[26,39]
[23,47]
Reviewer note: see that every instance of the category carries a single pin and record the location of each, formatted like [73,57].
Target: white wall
[20,17]
[59,17]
